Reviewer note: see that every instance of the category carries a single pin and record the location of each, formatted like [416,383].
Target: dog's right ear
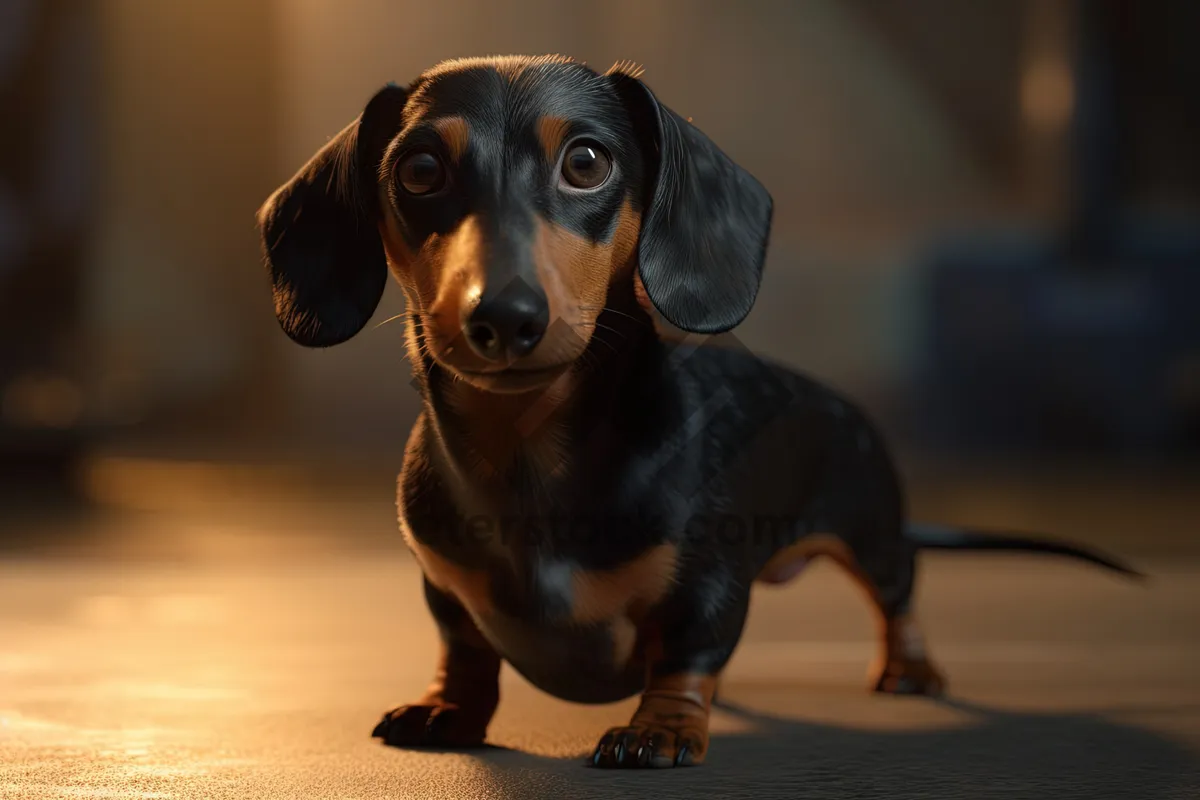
[320,240]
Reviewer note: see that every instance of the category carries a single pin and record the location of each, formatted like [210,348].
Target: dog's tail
[941,537]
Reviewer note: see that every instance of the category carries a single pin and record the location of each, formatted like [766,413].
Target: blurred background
[987,231]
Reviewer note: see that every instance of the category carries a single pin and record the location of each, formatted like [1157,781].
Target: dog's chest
[575,632]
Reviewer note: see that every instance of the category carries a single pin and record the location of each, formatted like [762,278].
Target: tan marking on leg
[667,696]
[669,728]
[902,665]
[812,546]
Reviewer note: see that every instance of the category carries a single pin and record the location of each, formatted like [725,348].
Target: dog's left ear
[322,247]
[706,221]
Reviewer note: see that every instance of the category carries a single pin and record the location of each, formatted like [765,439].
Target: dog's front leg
[670,726]
[458,705]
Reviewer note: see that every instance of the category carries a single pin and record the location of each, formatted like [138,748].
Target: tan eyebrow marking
[455,133]
[551,132]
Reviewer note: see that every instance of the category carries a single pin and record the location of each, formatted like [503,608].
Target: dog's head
[510,197]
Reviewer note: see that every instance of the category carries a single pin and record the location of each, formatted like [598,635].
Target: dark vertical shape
[47,93]
[1095,131]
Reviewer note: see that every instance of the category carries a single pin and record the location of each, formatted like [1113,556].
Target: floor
[246,652]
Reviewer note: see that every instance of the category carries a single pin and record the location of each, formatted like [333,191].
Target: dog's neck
[526,442]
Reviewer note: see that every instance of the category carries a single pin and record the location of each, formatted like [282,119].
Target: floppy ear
[706,222]
[320,240]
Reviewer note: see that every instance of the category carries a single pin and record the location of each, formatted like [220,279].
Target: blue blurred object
[1033,352]
[1087,340]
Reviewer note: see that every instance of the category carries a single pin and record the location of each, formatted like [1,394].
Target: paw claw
[644,747]
[603,750]
[911,678]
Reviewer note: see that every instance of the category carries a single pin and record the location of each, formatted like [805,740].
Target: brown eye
[586,166]
[421,173]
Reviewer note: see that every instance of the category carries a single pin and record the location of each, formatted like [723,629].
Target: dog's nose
[508,325]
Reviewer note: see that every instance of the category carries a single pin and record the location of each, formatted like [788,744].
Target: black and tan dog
[587,499]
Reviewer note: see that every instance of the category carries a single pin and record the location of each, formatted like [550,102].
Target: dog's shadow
[997,754]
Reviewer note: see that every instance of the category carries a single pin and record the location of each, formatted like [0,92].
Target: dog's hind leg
[886,570]
[886,574]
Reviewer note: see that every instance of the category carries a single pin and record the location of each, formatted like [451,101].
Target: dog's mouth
[512,379]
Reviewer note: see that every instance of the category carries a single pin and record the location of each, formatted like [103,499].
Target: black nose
[508,325]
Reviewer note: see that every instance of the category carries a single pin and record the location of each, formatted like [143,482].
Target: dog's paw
[439,725]
[650,746]
[909,677]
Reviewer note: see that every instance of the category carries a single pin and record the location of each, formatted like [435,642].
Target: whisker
[596,334]
[589,359]
[401,315]
[614,311]
[605,342]
[600,325]
[610,328]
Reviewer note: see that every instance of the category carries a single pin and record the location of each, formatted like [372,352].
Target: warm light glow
[1047,94]
[147,483]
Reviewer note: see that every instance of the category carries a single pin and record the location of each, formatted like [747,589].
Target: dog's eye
[586,166]
[421,173]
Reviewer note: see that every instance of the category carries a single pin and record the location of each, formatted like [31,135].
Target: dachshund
[589,495]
